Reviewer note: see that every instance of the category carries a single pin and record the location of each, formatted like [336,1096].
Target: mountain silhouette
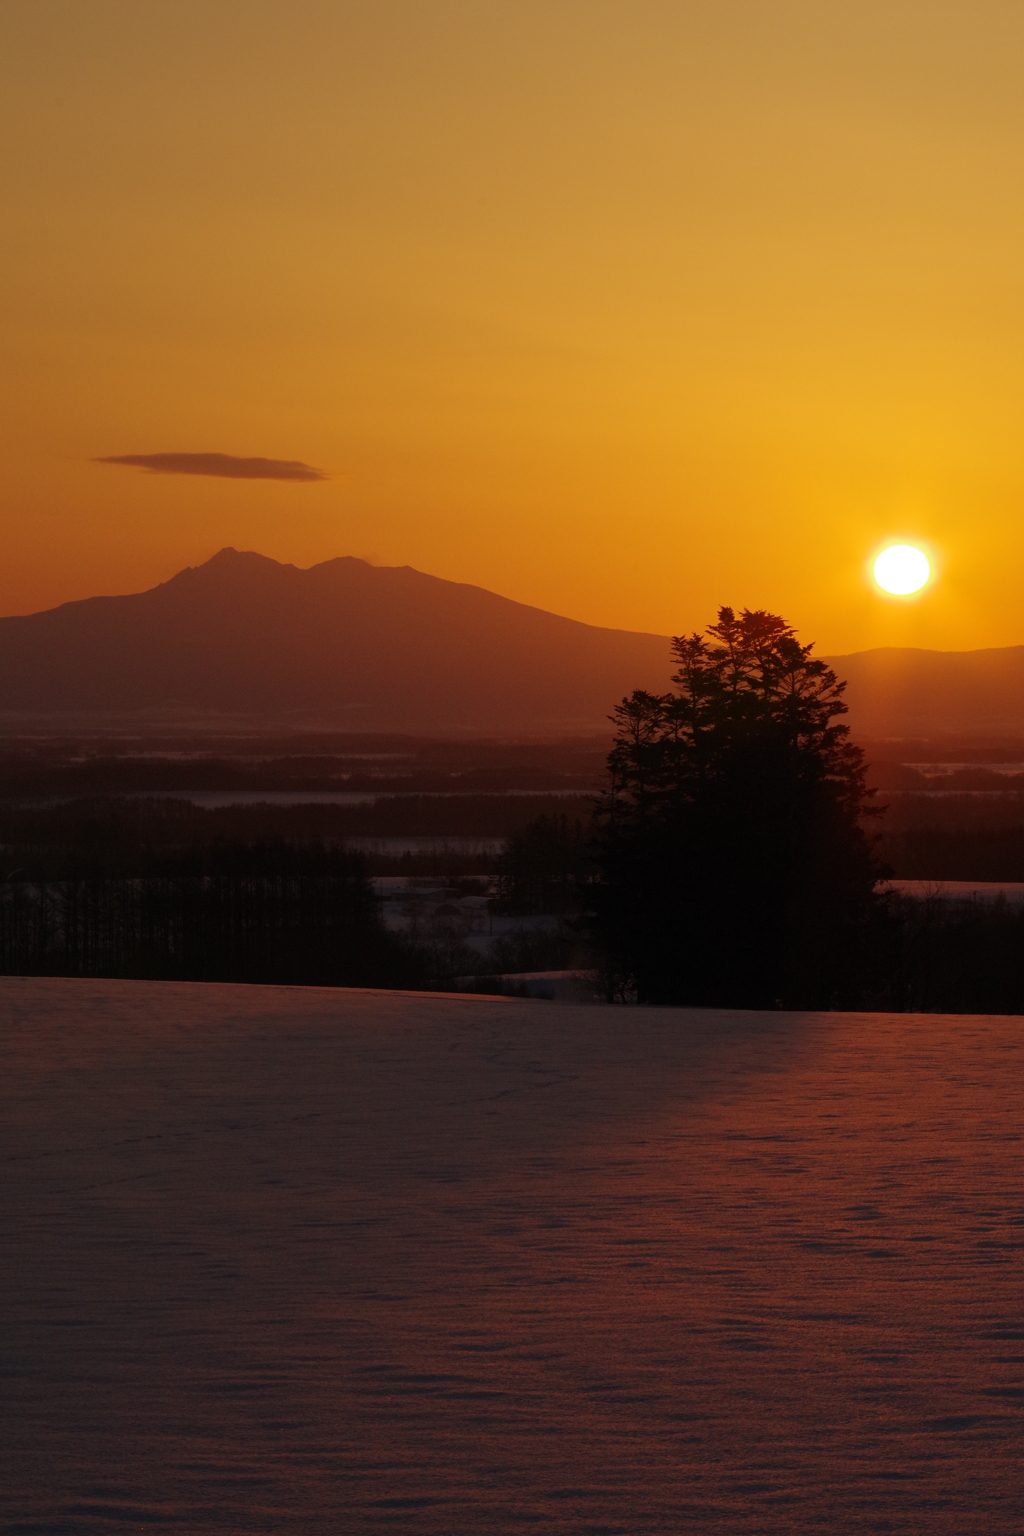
[353,646]
[345,644]
[906,692]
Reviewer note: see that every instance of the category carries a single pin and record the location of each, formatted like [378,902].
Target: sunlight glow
[902,569]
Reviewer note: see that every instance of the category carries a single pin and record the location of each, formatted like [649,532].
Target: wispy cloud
[226,465]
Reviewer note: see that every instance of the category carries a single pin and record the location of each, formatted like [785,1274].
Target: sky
[626,310]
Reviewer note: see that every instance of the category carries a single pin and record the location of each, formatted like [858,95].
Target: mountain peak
[343,643]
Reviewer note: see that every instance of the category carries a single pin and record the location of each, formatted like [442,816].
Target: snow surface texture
[281,1260]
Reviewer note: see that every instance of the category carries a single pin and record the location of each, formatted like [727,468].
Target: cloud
[226,465]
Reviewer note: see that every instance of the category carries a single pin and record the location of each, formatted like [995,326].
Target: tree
[734,867]
[544,867]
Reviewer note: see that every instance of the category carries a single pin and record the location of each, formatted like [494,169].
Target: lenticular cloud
[226,465]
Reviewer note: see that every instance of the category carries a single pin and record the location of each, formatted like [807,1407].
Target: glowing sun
[902,569]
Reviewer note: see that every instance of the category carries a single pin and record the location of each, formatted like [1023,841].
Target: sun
[902,569]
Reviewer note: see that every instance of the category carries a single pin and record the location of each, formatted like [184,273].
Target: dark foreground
[303,1261]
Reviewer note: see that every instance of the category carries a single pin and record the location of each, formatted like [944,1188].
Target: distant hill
[344,644]
[351,646]
[911,693]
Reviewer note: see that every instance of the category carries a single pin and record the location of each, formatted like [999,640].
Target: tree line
[280,914]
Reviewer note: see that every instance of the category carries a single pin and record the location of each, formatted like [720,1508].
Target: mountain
[897,692]
[344,644]
[352,646]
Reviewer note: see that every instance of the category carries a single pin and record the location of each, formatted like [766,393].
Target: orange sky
[625,310]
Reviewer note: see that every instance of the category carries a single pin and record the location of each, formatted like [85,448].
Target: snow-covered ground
[985,891]
[428,908]
[284,1260]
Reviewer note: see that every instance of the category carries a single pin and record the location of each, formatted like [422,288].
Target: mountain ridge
[371,647]
[342,642]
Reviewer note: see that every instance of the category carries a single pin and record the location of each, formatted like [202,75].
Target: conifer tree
[734,865]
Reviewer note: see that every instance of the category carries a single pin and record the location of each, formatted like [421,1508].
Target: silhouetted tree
[545,866]
[734,869]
